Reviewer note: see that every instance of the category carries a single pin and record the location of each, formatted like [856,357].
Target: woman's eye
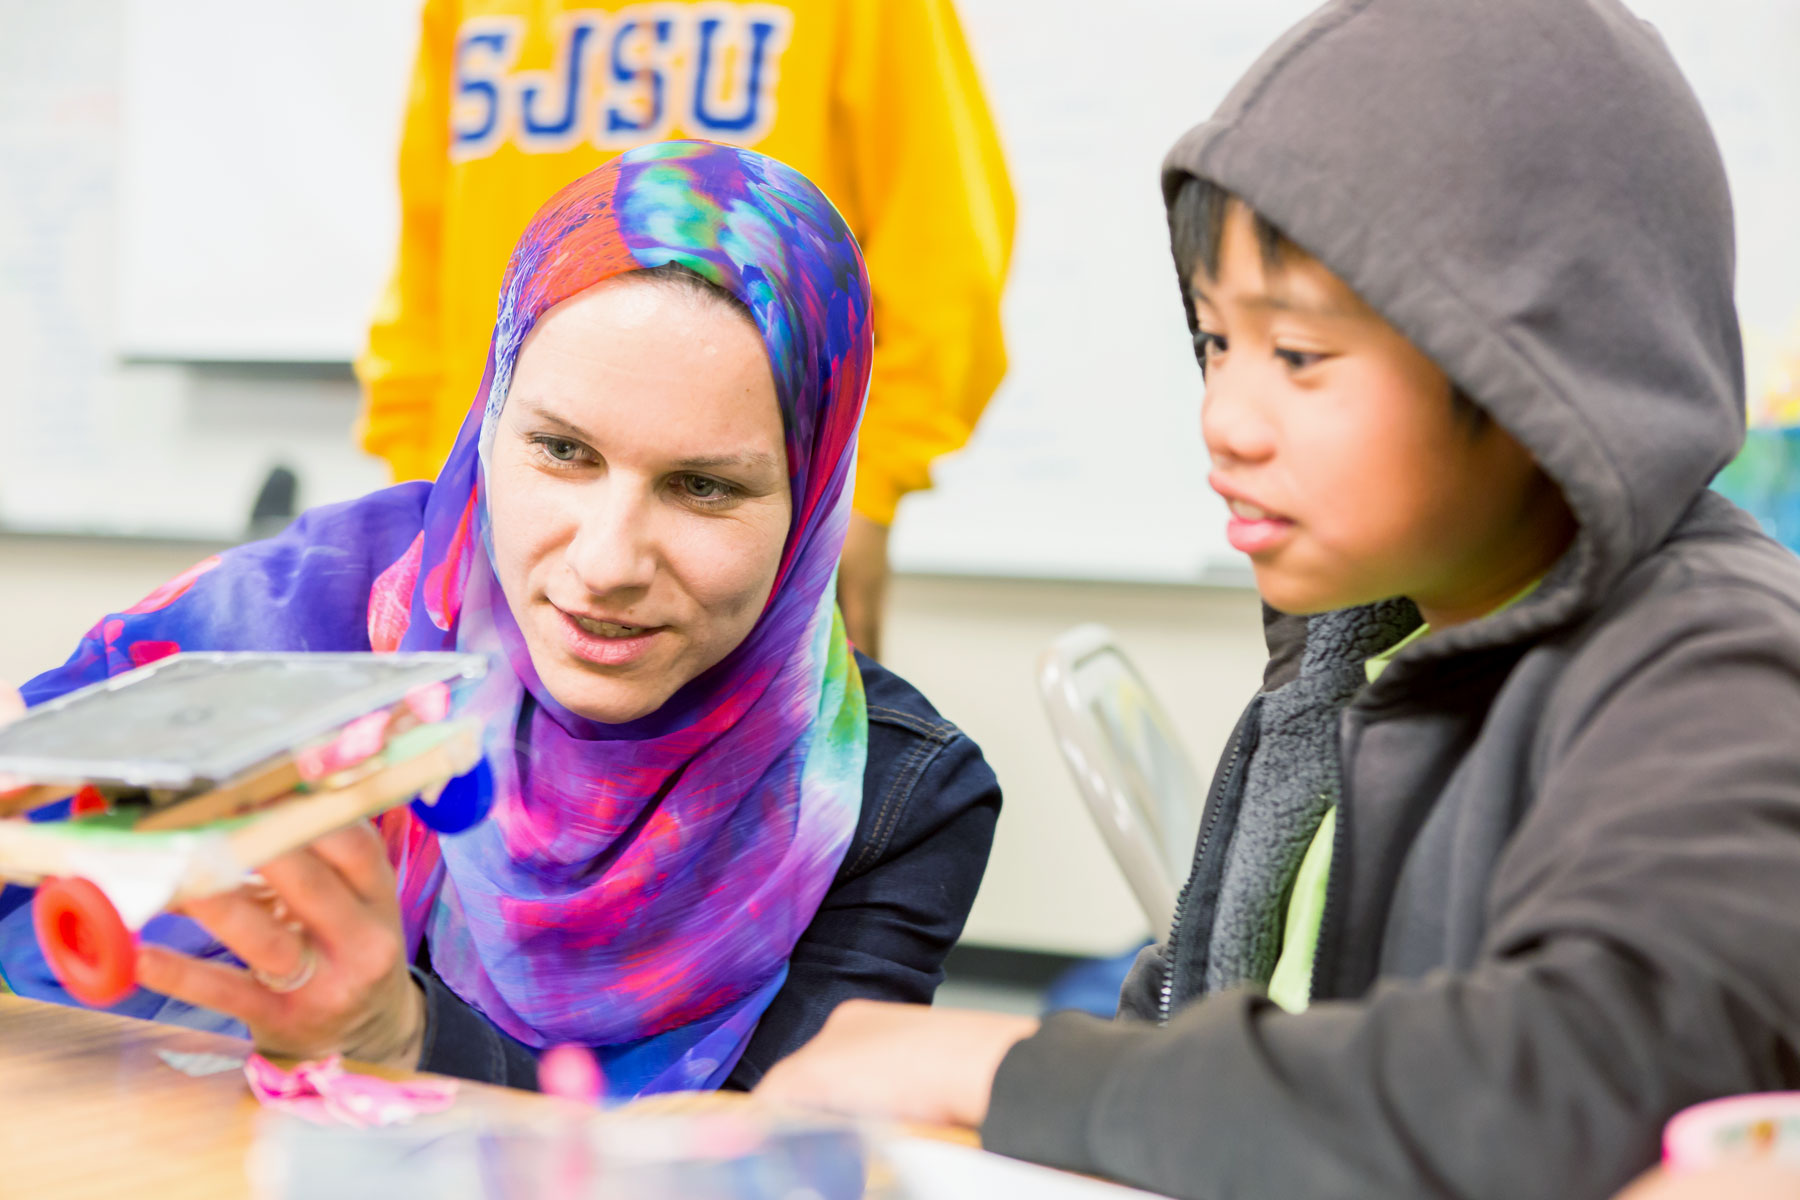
[1299,359]
[561,449]
[700,487]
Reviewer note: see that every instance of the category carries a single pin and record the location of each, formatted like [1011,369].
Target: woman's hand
[326,955]
[934,1066]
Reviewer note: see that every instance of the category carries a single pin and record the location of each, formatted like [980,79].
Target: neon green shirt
[1291,984]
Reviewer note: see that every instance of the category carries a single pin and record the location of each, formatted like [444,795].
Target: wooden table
[89,1110]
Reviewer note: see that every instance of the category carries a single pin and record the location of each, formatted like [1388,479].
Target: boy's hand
[1753,1179]
[933,1066]
[326,954]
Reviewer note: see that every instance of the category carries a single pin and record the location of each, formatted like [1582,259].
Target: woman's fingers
[321,934]
[205,984]
[246,923]
[308,901]
[336,915]
[358,855]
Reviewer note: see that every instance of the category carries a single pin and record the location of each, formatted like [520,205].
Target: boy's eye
[1299,359]
[1208,346]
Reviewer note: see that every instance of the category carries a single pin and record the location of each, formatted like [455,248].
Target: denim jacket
[896,907]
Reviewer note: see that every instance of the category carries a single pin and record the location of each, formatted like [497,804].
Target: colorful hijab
[638,887]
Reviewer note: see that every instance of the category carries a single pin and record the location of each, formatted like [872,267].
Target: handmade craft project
[325,1093]
[185,775]
[1734,1129]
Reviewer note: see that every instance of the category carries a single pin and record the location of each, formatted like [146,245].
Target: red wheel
[86,944]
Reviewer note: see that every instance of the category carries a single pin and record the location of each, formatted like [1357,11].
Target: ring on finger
[294,980]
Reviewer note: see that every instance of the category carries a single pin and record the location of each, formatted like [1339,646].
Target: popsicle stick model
[186,775]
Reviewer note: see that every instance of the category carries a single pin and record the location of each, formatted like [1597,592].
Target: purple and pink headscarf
[638,887]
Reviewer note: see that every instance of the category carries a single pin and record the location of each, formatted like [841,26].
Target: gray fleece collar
[1292,779]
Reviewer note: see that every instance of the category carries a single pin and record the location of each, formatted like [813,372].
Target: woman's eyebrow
[538,412]
[753,459]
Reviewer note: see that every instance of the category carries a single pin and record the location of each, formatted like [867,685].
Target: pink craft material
[569,1071]
[1760,1125]
[324,1093]
[429,702]
[359,741]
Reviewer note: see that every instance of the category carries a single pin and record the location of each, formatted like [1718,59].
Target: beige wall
[969,644]
[52,590]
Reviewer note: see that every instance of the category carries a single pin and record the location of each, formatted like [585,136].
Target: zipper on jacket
[1208,820]
[1340,840]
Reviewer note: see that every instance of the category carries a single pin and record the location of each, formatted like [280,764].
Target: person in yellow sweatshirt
[875,100]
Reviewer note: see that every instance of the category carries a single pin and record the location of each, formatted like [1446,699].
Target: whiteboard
[258,218]
[259,202]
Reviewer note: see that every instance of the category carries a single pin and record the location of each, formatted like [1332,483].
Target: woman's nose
[613,549]
[1234,421]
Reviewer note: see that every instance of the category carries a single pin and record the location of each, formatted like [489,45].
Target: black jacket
[1565,885]
[896,907]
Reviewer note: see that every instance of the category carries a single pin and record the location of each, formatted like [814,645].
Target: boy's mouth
[1243,510]
[1252,529]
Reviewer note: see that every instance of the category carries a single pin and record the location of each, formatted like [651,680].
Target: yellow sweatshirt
[876,101]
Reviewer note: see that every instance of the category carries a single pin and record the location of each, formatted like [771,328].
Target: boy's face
[1350,474]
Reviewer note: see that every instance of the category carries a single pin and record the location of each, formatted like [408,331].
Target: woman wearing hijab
[713,821]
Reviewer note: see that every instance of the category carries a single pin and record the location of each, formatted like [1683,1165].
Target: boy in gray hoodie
[1502,867]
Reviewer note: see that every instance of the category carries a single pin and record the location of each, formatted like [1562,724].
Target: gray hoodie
[1565,887]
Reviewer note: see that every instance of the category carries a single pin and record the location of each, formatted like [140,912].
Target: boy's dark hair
[1196,227]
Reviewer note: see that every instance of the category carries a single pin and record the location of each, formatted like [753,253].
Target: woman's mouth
[606,643]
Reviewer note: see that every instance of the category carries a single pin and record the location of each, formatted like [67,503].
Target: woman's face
[638,493]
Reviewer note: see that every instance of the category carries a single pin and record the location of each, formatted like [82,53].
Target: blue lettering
[573,67]
[643,113]
[754,74]
[708,68]
[483,55]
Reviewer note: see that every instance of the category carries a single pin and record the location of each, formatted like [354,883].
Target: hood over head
[1529,192]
